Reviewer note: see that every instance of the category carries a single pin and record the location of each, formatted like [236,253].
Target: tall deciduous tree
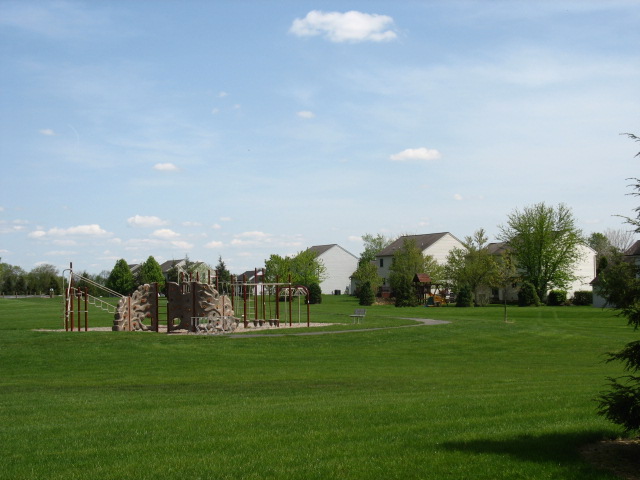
[151,272]
[277,268]
[121,279]
[545,244]
[307,268]
[472,265]
[619,283]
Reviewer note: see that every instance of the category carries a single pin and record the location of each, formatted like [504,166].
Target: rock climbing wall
[132,312]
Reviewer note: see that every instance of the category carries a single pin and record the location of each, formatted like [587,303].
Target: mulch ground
[620,456]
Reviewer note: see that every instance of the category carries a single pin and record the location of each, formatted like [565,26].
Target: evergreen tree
[223,275]
[315,294]
[365,294]
[121,279]
[620,285]
[151,272]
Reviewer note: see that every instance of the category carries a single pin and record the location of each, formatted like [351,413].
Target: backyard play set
[191,305]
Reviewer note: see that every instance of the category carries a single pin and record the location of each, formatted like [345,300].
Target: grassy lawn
[472,399]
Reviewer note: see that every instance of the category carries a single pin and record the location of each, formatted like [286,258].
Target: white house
[340,265]
[438,245]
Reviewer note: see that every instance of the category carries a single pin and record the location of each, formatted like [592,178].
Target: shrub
[582,297]
[365,294]
[405,293]
[527,296]
[315,294]
[557,297]
[465,297]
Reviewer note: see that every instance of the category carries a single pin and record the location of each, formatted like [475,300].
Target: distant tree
[506,276]
[465,296]
[600,243]
[407,261]
[365,294]
[222,273]
[367,271]
[620,285]
[472,265]
[307,268]
[43,277]
[121,279]
[14,280]
[528,296]
[619,239]
[372,245]
[151,272]
[315,294]
[277,269]
[545,244]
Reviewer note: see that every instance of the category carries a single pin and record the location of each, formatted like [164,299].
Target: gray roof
[320,249]
[633,249]
[422,242]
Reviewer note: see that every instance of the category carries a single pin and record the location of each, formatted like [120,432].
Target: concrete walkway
[421,323]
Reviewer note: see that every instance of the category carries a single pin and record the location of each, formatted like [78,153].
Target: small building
[631,255]
[340,265]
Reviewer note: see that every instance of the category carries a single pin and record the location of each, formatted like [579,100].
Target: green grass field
[472,399]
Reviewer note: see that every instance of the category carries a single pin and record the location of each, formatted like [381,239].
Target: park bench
[358,315]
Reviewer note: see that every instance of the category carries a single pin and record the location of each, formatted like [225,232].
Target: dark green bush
[527,296]
[365,294]
[557,298]
[315,294]
[465,297]
[582,297]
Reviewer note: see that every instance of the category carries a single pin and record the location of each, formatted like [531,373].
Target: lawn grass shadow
[562,448]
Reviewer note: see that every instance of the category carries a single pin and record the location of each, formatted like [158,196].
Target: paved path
[421,323]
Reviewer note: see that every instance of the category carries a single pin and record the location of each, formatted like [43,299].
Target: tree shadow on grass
[562,449]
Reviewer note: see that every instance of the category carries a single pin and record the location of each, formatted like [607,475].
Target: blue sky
[242,129]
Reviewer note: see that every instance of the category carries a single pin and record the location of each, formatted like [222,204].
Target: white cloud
[191,224]
[225,219]
[222,94]
[351,26]
[182,244]
[165,167]
[216,226]
[457,196]
[214,244]
[47,132]
[421,154]
[145,221]
[354,238]
[165,233]
[93,230]
[2,250]
[306,114]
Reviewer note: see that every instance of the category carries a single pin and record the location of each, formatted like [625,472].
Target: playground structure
[191,305]
[428,293]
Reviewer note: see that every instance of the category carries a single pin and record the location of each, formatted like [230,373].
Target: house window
[381,262]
